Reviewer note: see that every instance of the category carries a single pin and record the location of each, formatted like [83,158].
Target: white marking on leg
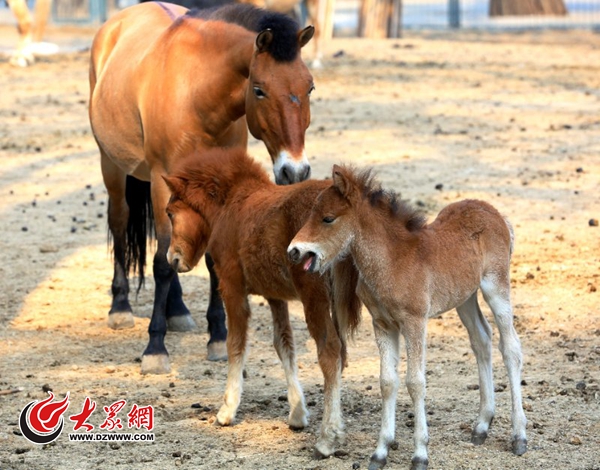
[388,342]
[480,336]
[498,298]
[332,427]
[415,382]
[233,390]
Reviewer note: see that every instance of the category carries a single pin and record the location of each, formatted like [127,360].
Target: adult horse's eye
[312,88]
[259,93]
[329,219]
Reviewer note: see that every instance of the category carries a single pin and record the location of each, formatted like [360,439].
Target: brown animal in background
[226,204]
[30,31]
[165,83]
[409,272]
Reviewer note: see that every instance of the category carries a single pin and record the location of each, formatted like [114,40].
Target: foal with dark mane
[226,203]
[409,272]
[165,83]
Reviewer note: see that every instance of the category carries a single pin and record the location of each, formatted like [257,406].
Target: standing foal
[411,271]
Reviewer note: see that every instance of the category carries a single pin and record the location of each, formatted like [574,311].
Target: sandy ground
[512,119]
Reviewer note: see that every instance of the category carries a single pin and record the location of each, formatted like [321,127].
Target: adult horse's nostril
[294,255]
[304,173]
[287,175]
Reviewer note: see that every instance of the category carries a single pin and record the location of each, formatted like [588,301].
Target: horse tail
[346,306]
[140,225]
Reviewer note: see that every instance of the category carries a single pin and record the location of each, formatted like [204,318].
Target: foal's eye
[258,92]
[329,219]
[170,215]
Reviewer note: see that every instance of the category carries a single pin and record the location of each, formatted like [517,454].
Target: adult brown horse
[164,83]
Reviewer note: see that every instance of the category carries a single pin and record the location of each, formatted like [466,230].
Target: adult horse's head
[278,96]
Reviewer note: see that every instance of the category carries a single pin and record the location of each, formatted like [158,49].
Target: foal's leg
[414,333]
[120,314]
[329,350]
[215,315]
[480,335]
[283,340]
[238,314]
[388,340]
[496,291]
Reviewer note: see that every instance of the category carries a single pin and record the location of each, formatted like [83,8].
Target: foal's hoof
[478,438]
[155,364]
[217,351]
[377,463]
[181,323]
[519,446]
[418,463]
[120,321]
[318,455]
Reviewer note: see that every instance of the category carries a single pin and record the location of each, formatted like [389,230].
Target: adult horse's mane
[389,201]
[283,47]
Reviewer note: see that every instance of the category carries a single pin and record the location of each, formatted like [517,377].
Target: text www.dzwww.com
[127,437]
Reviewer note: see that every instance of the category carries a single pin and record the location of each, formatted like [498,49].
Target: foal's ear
[340,182]
[263,40]
[305,35]
[175,184]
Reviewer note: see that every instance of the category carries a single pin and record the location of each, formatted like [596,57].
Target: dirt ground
[510,118]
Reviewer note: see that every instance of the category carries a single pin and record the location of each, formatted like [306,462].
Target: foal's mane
[283,48]
[386,201]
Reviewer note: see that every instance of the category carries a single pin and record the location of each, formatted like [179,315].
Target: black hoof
[298,429]
[377,463]
[419,464]
[478,438]
[519,446]
[318,455]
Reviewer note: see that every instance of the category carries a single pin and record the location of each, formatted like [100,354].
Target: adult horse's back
[164,83]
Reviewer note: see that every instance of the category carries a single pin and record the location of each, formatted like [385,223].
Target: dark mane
[388,201]
[283,48]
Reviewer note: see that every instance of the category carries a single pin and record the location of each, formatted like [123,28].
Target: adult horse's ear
[340,182]
[263,40]
[305,35]
[175,184]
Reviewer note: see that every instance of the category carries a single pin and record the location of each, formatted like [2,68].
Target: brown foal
[409,272]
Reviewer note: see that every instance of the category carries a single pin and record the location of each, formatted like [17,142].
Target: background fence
[416,14]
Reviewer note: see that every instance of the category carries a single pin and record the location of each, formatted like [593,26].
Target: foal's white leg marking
[233,390]
[388,343]
[332,426]
[415,332]
[298,417]
[480,335]
[497,295]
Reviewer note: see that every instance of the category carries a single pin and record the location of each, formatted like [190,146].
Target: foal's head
[329,230]
[278,96]
[190,232]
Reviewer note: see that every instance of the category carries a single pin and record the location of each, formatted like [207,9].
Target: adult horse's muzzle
[289,170]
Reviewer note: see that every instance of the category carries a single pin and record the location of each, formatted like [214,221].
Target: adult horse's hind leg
[480,335]
[215,316]
[120,314]
[496,292]
[283,341]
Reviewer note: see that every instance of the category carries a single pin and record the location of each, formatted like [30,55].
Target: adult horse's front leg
[178,315]
[215,316]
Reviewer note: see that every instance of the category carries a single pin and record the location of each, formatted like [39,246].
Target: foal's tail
[140,225]
[346,306]
[512,235]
